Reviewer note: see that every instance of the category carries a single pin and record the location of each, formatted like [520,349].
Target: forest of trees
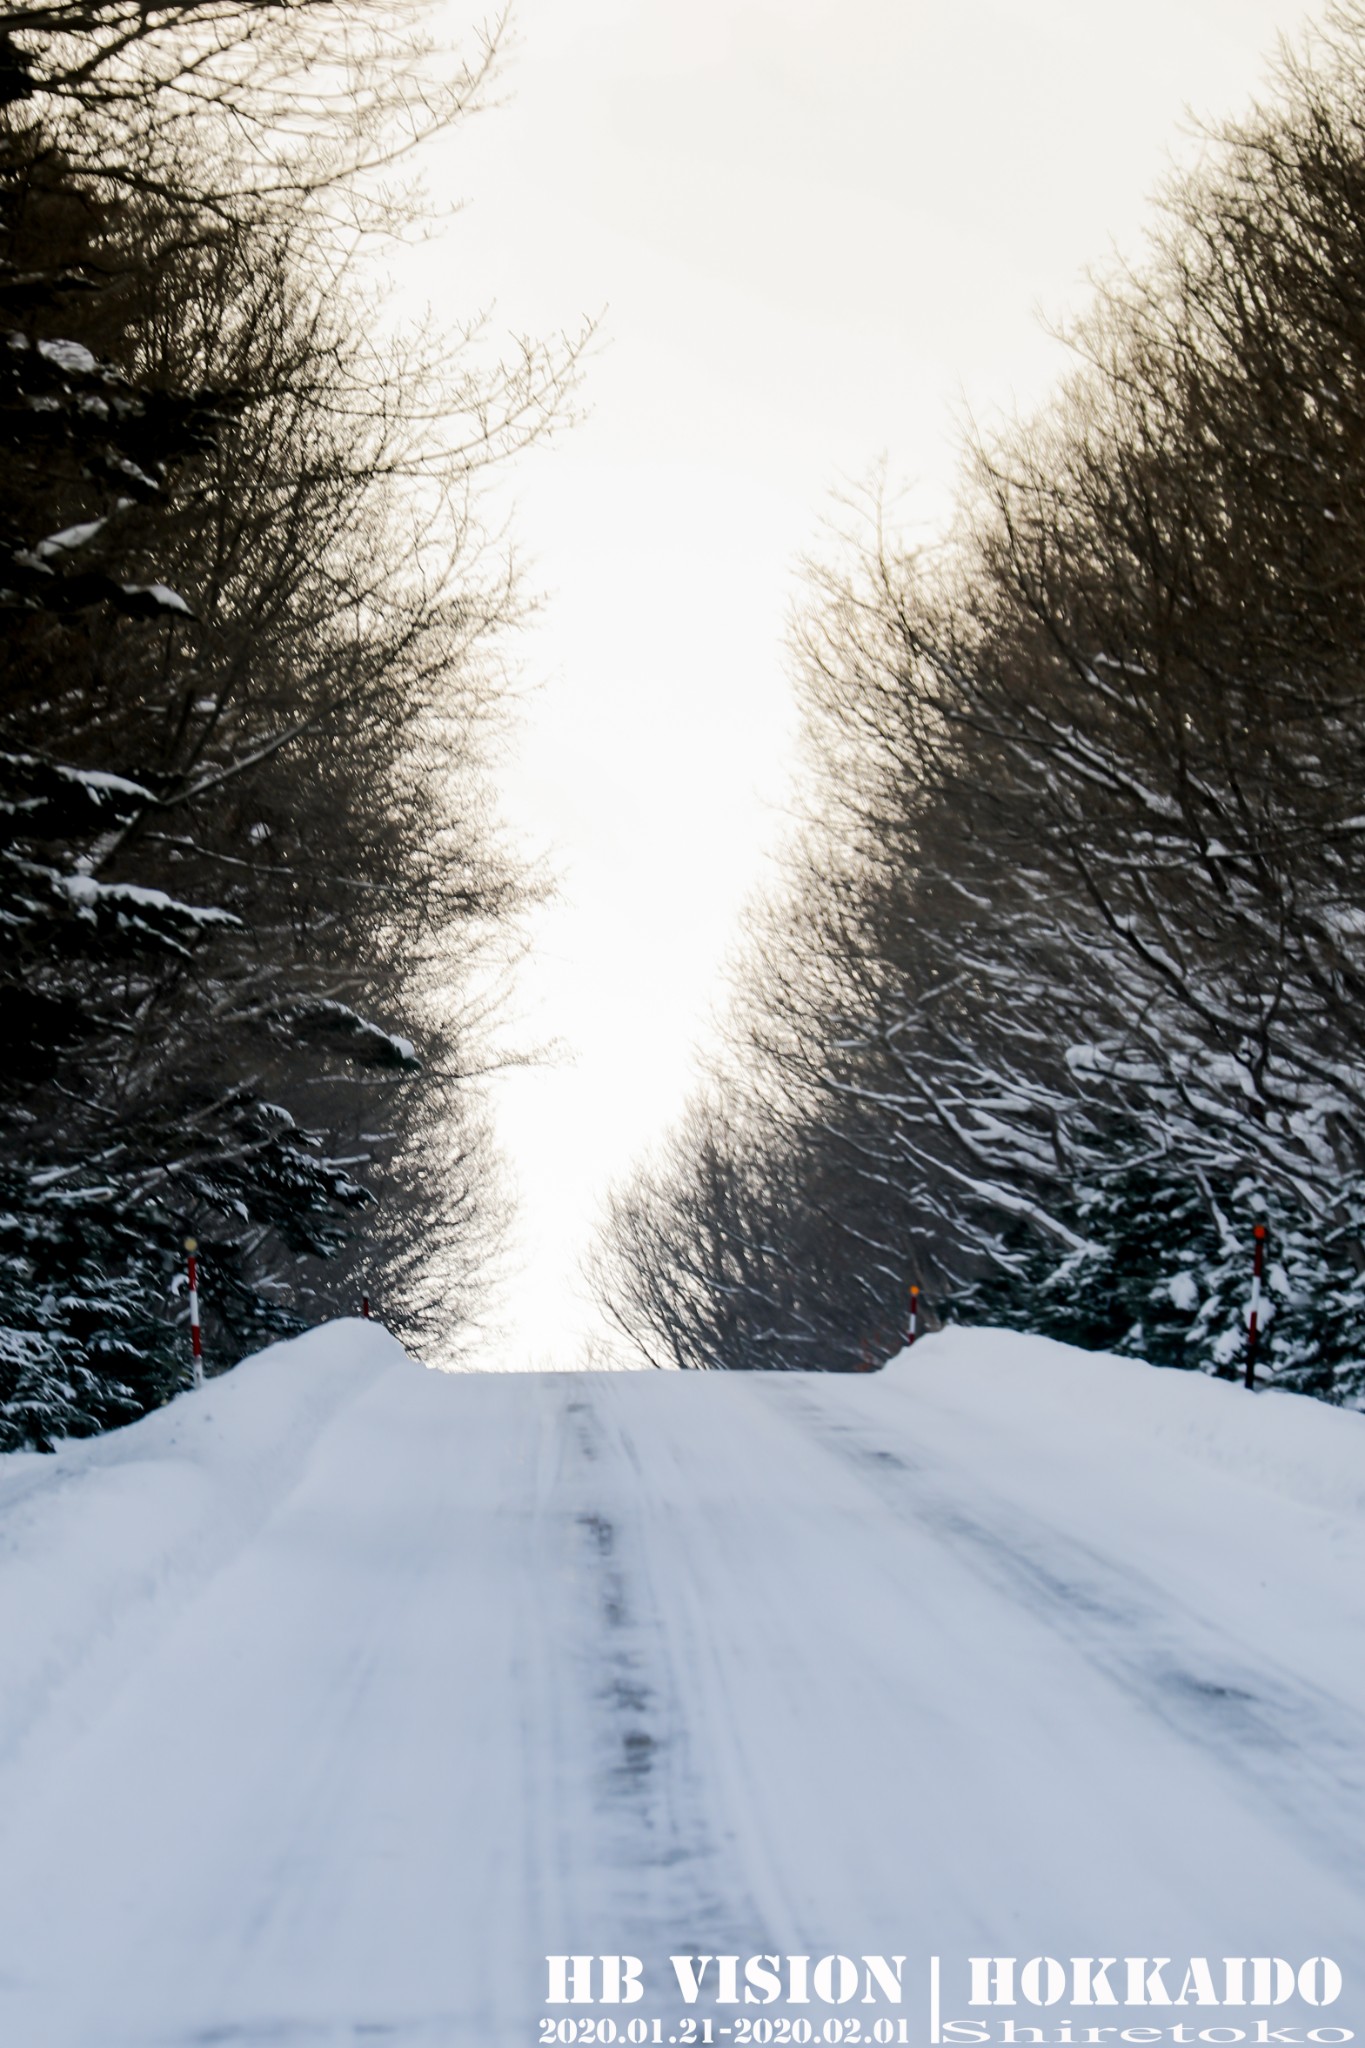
[249,875]
[1064,994]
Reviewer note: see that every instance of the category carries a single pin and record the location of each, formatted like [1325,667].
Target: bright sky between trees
[823,234]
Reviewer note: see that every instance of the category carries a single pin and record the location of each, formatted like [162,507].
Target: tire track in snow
[1294,1743]
[665,1784]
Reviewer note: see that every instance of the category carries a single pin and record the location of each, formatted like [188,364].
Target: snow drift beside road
[103,1538]
[1304,1449]
[341,1693]
[1254,1503]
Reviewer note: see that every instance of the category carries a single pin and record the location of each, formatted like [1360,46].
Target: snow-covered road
[338,1696]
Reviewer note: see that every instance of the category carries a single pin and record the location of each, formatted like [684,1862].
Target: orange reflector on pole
[196,1339]
[1254,1319]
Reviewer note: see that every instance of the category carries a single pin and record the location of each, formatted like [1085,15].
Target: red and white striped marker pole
[1254,1319]
[196,1340]
[914,1316]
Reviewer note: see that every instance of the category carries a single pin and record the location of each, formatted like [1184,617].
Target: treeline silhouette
[1065,992]
[249,875]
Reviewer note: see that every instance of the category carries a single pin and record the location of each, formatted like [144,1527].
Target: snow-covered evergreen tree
[242,814]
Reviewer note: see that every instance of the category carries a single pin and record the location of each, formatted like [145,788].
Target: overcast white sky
[821,231]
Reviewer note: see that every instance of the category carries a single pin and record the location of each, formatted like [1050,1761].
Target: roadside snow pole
[196,1340]
[1254,1320]
[913,1331]
[365,1306]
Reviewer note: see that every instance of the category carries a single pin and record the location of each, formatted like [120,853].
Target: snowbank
[1105,1408]
[104,1539]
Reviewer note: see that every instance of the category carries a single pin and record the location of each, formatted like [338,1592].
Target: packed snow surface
[338,1695]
